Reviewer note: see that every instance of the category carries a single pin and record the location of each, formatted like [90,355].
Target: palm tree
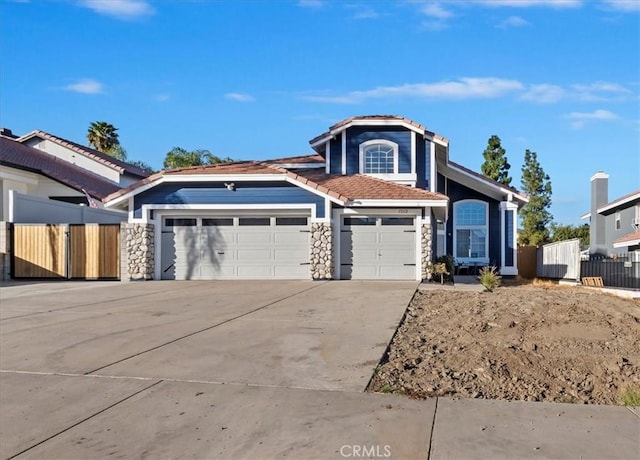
[102,136]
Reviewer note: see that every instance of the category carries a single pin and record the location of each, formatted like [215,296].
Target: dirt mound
[516,343]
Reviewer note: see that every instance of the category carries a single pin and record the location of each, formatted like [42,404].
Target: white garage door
[251,247]
[378,248]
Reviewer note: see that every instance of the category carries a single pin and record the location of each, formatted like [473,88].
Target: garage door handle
[305,263]
[220,252]
[409,231]
[409,265]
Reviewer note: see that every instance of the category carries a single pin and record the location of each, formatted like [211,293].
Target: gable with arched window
[378,157]
[471,231]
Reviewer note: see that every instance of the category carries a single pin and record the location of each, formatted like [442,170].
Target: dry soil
[516,343]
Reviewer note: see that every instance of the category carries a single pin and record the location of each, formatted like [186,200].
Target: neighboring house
[379,199]
[614,226]
[121,173]
[35,173]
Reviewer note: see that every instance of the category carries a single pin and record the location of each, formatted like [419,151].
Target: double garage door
[247,247]
[274,247]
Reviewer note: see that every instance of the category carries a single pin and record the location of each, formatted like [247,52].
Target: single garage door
[378,248]
[247,247]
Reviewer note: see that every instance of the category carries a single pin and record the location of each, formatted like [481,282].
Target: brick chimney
[597,228]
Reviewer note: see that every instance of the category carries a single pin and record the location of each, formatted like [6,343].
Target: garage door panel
[397,256]
[253,238]
[291,271]
[395,272]
[291,238]
[254,272]
[400,238]
[254,256]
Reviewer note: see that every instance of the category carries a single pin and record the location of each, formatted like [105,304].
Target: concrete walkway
[248,370]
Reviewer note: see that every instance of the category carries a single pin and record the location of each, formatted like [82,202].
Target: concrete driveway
[249,370]
[201,370]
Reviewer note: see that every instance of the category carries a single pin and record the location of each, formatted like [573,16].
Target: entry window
[223,222]
[397,221]
[470,231]
[351,221]
[172,222]
[291,221]
[618,225]
[378,157]
[254,221]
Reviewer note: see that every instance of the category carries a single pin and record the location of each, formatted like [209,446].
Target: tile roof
[347,121]
[343,188]
[628,238]
[485,178]
[361,187]
[114,163]
[16,155]
[315,158]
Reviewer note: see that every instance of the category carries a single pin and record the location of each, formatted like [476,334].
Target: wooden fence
[90,251]
[559,260]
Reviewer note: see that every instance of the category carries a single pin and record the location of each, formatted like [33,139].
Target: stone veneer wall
[321,251]
[425,245]
[138,251]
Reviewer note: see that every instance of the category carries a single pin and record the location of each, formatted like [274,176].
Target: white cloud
[464,88]
[623,5]
[120,9]
[544,93]
[436,10]
[601,91]
[513,21]
[311,3]
[161,97]
[86,86]
[581,118]
[239,97]
[363,11]
[531,3]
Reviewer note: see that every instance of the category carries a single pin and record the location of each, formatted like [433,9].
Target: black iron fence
[617,270]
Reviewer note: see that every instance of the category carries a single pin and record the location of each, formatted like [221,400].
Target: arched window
[378,157]
[470,231]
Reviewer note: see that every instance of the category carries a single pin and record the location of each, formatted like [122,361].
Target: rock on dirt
[517,343]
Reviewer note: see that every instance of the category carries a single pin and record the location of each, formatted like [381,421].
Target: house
[378,199]
[50,170]
[614,226]
[120,172]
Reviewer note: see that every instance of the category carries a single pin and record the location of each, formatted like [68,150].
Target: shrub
[450,263]
[489,278]
[631,397]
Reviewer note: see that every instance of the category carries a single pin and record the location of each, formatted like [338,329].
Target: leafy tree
[178,157]
[143,165]
[495,164]
[561,232]
[103,137]
[535,214]
[118,152]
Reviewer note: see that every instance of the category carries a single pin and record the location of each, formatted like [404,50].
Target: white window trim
[485,227]
[366,144]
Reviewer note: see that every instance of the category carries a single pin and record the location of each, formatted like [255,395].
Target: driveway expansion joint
[84,419]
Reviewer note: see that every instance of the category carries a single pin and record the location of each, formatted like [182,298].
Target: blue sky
[257,80]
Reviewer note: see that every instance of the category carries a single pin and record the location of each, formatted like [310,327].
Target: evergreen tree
[535,214]
[495,164]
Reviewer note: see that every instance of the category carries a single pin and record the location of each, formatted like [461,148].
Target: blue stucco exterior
[336,155]
[258,193]
[458,192]
[423,163]
[356,135]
